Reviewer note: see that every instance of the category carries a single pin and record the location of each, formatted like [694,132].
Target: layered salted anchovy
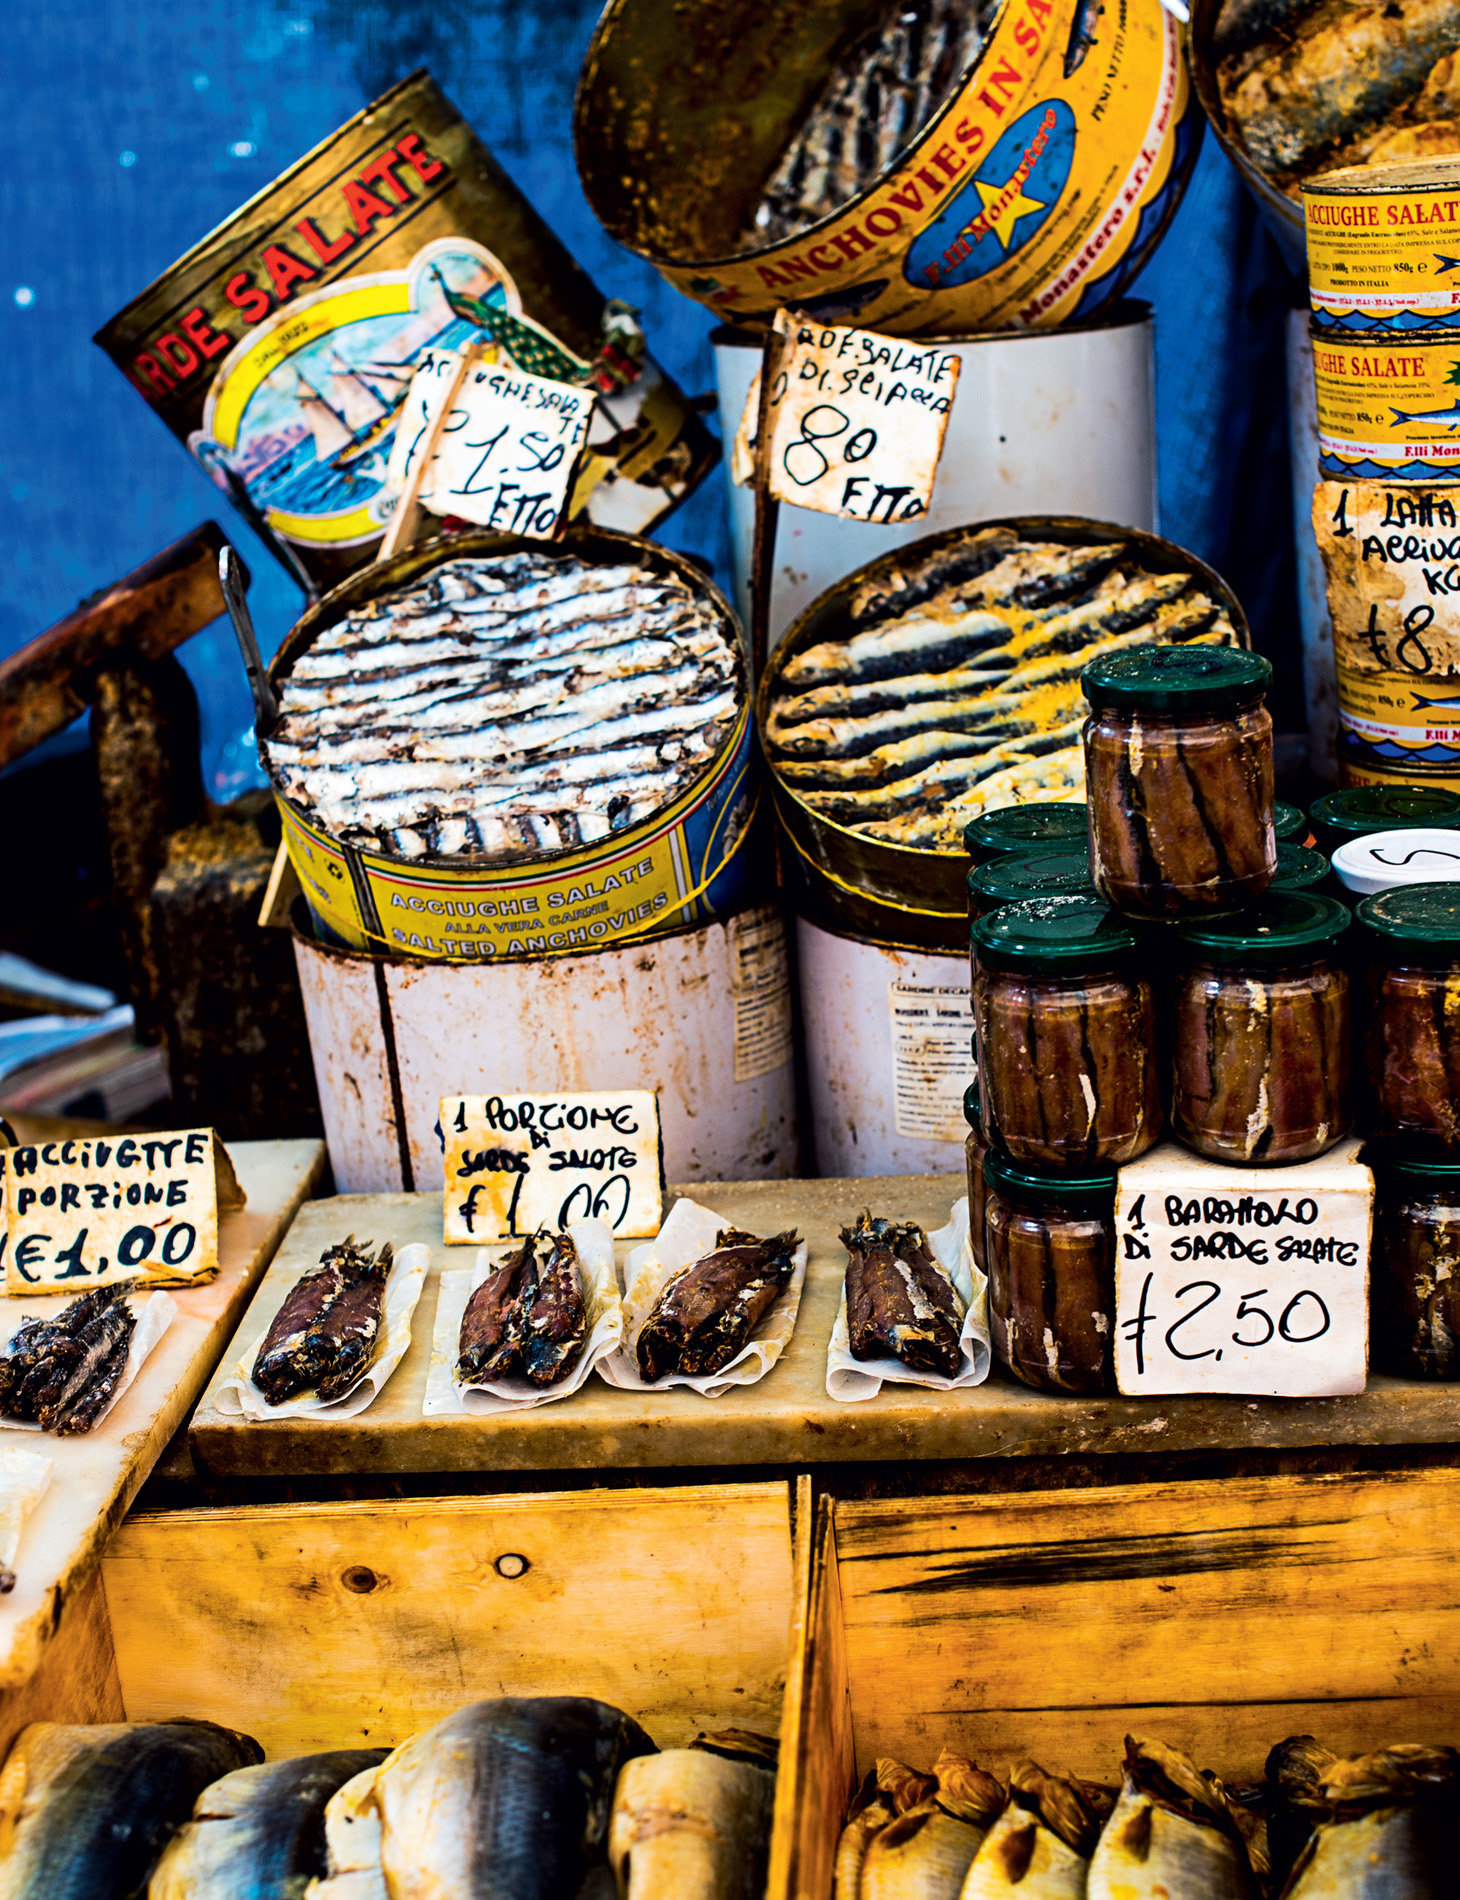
[327,1332]
[522,703]
[1312,85]
[529,1316]
[900,1303]
[59,1373]
[954,688]
[704,1315]
[879,95]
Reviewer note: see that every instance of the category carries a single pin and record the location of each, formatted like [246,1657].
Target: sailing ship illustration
[359,412]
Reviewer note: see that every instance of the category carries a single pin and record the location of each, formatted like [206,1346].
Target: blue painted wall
[135,129]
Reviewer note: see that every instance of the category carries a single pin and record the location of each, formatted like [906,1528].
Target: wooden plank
[96,1477]
[817,1765]
[51,680]
[349,1625]
[785,1419]
[1219,1617]
[78,1680]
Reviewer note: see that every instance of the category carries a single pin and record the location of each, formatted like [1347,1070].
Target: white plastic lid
[1387,858]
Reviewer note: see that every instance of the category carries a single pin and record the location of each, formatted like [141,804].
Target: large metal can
[281,347]
[1033,196]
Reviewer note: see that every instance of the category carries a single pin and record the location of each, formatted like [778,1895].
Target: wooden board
[786,1418]
[95,1478]
[351,1625]
[1217,1617]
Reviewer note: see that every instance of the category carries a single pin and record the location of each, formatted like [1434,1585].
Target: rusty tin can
[280,349]
[1031,197]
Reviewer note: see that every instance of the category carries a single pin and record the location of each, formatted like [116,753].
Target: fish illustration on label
[1002,205]
[300,418]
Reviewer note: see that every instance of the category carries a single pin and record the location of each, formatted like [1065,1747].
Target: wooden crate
[1218,1617]
[315,1626]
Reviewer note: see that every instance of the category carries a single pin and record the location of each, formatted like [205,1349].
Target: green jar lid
[1434,1173]
[1423,918]
[1339,816]
[1015,830]
[1055,935]
[1290,823]
[971,1107]
[1009,879]
[1299,869]
[1091,1192]
[1177,679]
[1284,927]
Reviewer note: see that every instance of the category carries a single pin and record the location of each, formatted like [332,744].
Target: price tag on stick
[80,1213]
[855,422]
[1242,1280]
[499,447]
[515,1163]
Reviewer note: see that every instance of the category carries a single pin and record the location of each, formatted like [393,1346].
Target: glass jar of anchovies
[1260,1029]
[1414,1277]
[1049,1244]
[1179,776]
[1011,879]
[1409,1020]
[1065,1021]
[975,1149]
[1037,825]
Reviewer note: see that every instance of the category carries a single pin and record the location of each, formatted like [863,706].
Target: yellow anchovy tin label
[1388,408]
[677,867]
[1396,723]
[1384,257]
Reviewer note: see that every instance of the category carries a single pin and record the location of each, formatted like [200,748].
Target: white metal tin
[703,1016]
[1420,855]
[1058,422]
[872,1086]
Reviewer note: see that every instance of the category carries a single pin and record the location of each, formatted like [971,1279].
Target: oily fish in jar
[1312,85]
[507,704]
[1049,1252]
[1415,1270]
[952,685]
[1409,1096]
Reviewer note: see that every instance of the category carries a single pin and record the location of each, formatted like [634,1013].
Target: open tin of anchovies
[902,894]
[1031,196]
[280,349]
[689,862]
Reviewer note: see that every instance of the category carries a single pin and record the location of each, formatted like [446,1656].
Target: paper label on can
[760,979]
[1242,1280]
[932,1058]
[856,421]
[1388,408]
[515,1163]
[1377,255]
[505,454]
[1018,204]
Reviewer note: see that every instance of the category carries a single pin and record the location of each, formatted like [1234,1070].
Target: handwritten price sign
[1242,1280]
[856,421]
[515,1163]
[506,451]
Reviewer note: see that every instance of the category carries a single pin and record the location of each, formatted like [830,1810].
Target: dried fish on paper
[706,1305]
[507,705]
[327,1332]
[1171,1835]
[64,1375]
[527,1326]
[258,1833]
[692,1824]
[85,1812]
[954,688]
[914,1309]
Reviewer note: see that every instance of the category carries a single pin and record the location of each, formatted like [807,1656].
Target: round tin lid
[1364,809]
[1385,859]
[1437,1173]
[1424,918]
[1290,823]
[1040,874]
[1281,928]
[1055,935]
[1090,1191]
[1299,869]
[1019,829]
[1181,679]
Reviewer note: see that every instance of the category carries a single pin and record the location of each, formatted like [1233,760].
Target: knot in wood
[511,1565]
[361,1580]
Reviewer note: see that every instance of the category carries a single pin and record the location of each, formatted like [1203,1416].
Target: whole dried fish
[528,1316]
[86,1811]
[327,1331]
[258,1833]
[490,1342]
[1170,1835]
[899,1300]
[1389,1828]
[556,1322]
[61,1373]
[691,1825]
[1039,1848]
[705,1314]
[921,1855]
